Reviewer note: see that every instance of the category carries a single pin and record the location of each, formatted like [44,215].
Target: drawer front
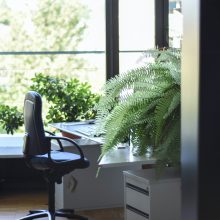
[138,198]
[132,215]
[141,184]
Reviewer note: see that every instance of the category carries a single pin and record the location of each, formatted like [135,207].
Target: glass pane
[45,25]
[42,25]
[136,31]
[136,24]
[175,23]
[94,36]
[16,73]
[48,26]
[130,60]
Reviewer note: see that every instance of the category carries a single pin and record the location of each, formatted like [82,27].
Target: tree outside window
[44,36]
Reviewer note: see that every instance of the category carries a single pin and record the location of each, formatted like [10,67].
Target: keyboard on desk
[88,130]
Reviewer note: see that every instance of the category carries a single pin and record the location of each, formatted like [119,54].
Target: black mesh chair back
[35,140]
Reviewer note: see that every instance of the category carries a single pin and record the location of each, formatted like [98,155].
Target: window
[53,37]
[175,23]
[65,37]
[136,31]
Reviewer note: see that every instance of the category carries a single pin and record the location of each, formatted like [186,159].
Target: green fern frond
[168,151]
[175,102]
[121,120]
[144,103]
[171,59]
[168,103]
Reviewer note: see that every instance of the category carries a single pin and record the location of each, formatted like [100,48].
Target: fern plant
[144,104]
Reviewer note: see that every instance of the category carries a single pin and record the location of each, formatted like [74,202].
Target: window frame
[112,32]
[112,36]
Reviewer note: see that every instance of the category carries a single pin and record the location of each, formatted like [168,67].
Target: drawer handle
[143,214]
[138,189]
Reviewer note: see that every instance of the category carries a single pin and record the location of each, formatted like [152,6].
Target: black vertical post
[209,150]
[201,111]
[161,23]
[112,41]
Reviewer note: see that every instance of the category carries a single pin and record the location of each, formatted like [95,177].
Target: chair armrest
[58,141]
[58,138]
[50,133]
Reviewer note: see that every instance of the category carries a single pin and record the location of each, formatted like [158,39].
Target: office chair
[53,164]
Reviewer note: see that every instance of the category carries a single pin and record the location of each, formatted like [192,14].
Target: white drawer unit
[148,196]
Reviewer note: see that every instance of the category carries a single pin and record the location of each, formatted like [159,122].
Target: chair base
[68,213]
[38,214]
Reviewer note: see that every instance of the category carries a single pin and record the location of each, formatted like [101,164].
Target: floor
[14,204]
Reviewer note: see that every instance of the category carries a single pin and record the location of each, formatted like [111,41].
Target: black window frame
[112,32]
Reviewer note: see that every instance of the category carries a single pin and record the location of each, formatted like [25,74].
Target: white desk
[11,146]
[74,127]
[123,157]
[104,191]
[115,158]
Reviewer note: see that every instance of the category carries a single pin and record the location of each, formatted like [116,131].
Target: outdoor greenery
[10,118]
[68,99]
[38,25]
[144,104]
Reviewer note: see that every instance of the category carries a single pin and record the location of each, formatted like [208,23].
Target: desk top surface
[11,145]
[124,157]
[116,157]
[82,129]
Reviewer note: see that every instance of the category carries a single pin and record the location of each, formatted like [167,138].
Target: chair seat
[60,156]
[62,160]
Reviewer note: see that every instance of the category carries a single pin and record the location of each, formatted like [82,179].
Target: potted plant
[68,99]
[10,118]
[144,104]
